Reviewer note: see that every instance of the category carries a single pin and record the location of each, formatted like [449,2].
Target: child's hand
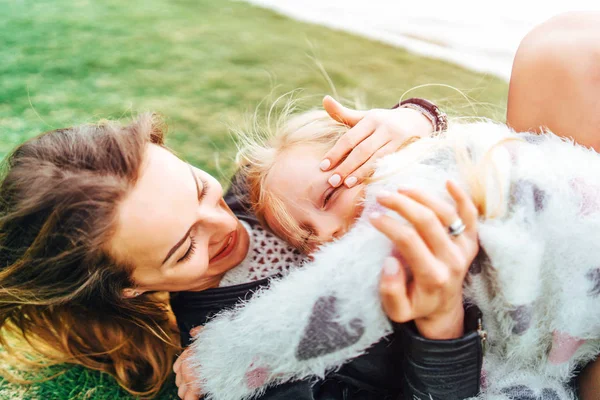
[373,134]
[186,382]
[426,285]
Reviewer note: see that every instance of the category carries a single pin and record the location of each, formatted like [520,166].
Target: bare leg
[555,83]
[589,382]
[555,79]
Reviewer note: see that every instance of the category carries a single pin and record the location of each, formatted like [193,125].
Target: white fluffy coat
[538,288]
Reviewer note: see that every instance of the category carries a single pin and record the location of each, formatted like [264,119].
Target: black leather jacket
[403,365]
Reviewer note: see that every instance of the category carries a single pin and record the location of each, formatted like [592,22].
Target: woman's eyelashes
[204,189]
[190,251]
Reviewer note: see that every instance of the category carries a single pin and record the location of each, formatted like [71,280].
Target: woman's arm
[441,369]
[426,287]
[373,134]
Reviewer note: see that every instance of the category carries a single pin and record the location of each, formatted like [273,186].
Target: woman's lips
[227,247]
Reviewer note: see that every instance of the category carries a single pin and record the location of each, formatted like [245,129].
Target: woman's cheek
[198,264]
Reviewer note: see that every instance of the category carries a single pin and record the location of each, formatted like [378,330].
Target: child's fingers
[394,292]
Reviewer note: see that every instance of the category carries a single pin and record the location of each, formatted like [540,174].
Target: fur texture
[537,280]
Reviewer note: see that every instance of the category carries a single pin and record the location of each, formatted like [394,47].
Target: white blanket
[538,288]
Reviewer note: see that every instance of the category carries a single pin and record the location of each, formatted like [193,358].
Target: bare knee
[556,78]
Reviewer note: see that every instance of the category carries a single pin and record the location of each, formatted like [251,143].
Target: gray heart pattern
[323,334]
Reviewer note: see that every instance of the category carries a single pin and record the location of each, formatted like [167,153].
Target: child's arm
[312,321]
[502,382]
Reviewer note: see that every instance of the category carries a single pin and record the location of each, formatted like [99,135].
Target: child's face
[323,212]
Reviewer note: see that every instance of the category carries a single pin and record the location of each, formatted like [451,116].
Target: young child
[537,282]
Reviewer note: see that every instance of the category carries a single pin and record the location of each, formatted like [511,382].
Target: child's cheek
[350,204]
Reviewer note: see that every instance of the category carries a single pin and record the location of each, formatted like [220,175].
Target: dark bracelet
[438,118]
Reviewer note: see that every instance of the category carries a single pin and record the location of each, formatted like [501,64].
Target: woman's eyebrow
[184,238]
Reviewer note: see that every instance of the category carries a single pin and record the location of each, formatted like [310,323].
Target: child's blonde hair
[259,151]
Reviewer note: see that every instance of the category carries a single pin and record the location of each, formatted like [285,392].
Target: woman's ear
[130,293]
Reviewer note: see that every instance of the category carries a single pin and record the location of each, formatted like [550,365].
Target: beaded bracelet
[438,118]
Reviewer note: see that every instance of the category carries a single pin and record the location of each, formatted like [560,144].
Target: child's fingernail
[391,266]
[383,194]
[325,164]
[335,180]
[375,215]
[351,181]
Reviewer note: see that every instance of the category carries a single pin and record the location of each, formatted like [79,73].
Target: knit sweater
[537,280]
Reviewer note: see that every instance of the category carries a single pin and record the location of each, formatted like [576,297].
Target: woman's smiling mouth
[227,247]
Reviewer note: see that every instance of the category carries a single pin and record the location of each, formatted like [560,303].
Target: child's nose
[332,228]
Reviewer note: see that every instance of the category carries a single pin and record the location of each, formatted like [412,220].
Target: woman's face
[322,212]
[175,228]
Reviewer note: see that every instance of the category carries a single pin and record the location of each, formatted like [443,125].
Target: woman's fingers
[195,331]
[350,139]
[417,255]
[445,212]
[340,113]
[177,365]
[184,376]
[191,394]
[346,144]
[394,292]
[181,391]
[187,384]
[360,155]
[177,379]
[466,208]
[425,220]
[366,170]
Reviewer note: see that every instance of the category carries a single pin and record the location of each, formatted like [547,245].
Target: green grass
[204,65]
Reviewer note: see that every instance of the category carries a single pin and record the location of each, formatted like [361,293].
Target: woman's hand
[188,388]
[373,134]
[426,284]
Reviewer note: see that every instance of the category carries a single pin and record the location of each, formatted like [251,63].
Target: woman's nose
[215,216]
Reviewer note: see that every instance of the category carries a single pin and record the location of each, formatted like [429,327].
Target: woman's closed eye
[190,251]
[201,192]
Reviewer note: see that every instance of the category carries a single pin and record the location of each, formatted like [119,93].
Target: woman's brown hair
[60,290]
